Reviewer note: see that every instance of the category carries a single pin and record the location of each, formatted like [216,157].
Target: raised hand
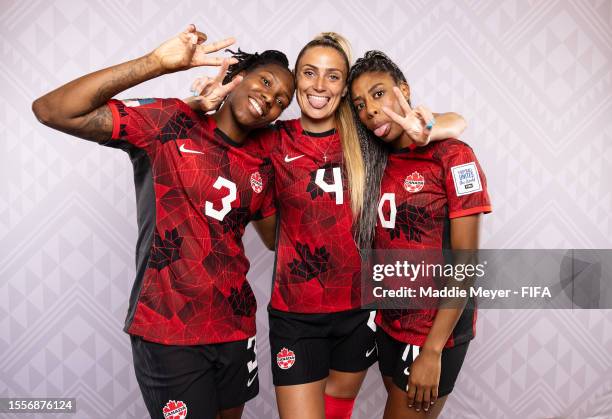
[187,50]
[209,92]
[413,121]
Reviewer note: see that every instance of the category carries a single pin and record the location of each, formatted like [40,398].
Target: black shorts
[304,347]
[204,378]
[395,358]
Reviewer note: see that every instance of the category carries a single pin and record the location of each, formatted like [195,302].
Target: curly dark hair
[248,61]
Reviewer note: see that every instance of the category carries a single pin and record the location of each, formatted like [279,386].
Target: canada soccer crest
[414,182]
[175,410]
[285,359]
[256,182]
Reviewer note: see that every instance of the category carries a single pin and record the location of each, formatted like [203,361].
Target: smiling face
[370,92]
[262,96]
[321,83]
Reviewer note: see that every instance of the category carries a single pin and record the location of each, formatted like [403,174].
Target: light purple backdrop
[533,79]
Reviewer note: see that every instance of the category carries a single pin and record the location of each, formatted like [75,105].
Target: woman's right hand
[209,93]
[187,50]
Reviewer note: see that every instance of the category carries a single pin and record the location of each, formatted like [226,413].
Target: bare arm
[464,236]
[425,370]
[79,107]
[266,228]
[448,125]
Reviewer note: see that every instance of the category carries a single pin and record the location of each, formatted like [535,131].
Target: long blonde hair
[346,124]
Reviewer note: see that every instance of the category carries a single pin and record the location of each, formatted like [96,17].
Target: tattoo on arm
[96,126]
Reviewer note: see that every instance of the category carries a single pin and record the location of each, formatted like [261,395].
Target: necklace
[315,141]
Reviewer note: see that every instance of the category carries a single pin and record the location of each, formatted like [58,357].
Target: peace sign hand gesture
[413,121]
[187,50]
[209,93]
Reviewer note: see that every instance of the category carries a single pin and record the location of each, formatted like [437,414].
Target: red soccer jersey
[317,268]
[196,191]
[428,186]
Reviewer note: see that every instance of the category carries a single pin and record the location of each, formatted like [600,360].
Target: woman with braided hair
[191,315]
[421,350]
[321,341]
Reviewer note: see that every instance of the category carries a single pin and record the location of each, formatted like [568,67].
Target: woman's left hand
[414,121]
[424,380]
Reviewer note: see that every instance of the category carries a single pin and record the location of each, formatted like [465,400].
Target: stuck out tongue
[317,102]
[380,131]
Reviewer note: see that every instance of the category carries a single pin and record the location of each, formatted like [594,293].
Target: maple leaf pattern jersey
[428,186]
[196,191]
[317,267]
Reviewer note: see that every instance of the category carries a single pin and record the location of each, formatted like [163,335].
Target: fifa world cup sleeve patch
[466,179]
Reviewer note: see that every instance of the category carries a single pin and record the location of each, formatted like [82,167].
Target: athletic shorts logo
[466,179]
[285,359]
[414,182]
[256,182]
[175,410]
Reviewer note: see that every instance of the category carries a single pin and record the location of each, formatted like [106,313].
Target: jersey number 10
[390,223]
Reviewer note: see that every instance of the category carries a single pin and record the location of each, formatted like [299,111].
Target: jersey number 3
[226,201]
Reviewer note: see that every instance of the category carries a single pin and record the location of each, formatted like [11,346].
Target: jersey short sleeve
[147,123]
[466,184]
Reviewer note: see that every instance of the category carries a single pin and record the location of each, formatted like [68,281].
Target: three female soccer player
[200,179]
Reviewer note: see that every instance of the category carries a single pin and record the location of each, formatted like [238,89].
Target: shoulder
[448,150]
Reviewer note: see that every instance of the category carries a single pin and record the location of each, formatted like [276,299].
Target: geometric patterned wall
[532,78]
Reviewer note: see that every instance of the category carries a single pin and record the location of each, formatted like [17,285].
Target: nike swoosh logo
[290,159]
[368,353]
[252,379]
[186,150]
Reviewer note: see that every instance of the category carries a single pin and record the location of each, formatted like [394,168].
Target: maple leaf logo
[176,127]
[175,410]
[285,359]
[410,221]
[236,219]
[312,264]
[243,302]
[414,182]
[165,250]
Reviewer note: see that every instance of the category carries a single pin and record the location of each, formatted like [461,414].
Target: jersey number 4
[226,201]
[335,187]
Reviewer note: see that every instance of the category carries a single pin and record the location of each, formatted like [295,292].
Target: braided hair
[248,62]
[373,62]
[375,152]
